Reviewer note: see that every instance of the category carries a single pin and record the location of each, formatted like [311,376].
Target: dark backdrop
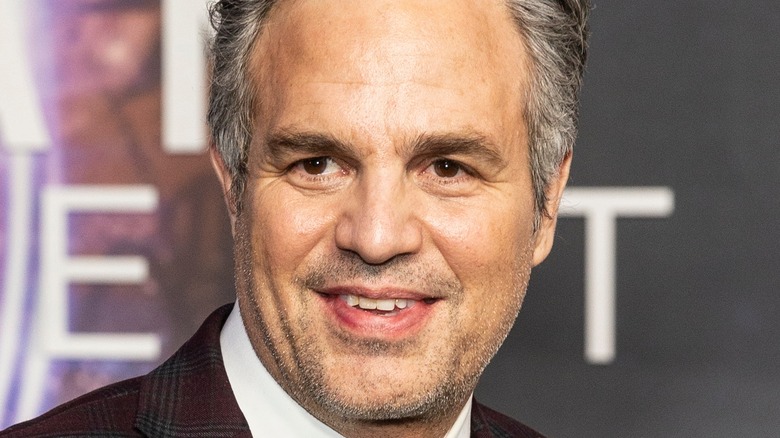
[685,95]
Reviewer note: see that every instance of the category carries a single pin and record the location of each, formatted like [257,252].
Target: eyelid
[464,183]
[465,168]
[299,177]
[331,166]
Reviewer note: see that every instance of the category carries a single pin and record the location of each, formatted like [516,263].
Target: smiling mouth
[382,306]
[390,314]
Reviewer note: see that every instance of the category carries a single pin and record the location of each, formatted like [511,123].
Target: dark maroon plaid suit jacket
[188,396]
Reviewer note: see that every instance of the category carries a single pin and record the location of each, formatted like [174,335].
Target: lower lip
[400,324]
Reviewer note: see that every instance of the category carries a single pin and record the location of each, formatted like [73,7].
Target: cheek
[489,250]
[289,228]
[484,245]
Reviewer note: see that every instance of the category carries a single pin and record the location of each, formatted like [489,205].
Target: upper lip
[378,293]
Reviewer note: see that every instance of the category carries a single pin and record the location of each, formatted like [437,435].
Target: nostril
[378,226]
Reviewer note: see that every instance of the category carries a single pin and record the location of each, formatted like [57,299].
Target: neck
[414,427]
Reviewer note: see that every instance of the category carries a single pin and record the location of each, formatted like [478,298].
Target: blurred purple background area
[97,71]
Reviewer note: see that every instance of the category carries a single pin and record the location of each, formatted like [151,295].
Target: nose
[379,220]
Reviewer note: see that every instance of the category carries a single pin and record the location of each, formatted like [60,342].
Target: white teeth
[367,303]
[386,305]
[352,300]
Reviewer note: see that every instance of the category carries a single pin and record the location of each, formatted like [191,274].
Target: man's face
[386,238]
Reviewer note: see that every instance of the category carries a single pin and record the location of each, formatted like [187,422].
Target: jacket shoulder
[188,394]
[487,423]
[106,412]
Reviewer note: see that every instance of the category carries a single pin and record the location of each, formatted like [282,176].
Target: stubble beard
[301,372]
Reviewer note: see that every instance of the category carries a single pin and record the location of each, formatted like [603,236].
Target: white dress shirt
[268,409]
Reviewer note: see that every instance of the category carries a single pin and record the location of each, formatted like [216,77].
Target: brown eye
[315,166]
[446,168]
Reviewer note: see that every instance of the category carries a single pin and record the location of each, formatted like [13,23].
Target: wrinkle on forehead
[387,39]
[381,71]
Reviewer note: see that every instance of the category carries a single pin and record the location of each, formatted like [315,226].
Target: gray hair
[554,33]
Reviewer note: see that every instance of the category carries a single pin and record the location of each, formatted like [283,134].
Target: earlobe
[225,181]
[546,233]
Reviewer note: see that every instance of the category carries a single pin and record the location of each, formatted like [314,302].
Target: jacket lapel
[487,423]
[189,394]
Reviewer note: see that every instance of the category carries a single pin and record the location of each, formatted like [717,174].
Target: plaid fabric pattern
[487,423]
[189,396]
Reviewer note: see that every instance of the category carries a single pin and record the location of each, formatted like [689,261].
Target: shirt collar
[268,409]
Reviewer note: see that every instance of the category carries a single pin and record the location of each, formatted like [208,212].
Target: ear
[226,181]
[546,232]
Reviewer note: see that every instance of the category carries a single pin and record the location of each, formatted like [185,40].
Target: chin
[394,394]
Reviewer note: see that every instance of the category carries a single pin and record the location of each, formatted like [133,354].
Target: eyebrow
[471,145]
[281,144]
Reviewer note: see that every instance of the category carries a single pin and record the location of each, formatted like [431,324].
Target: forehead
[389,65]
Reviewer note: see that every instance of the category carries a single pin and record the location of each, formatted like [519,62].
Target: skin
[390,160]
